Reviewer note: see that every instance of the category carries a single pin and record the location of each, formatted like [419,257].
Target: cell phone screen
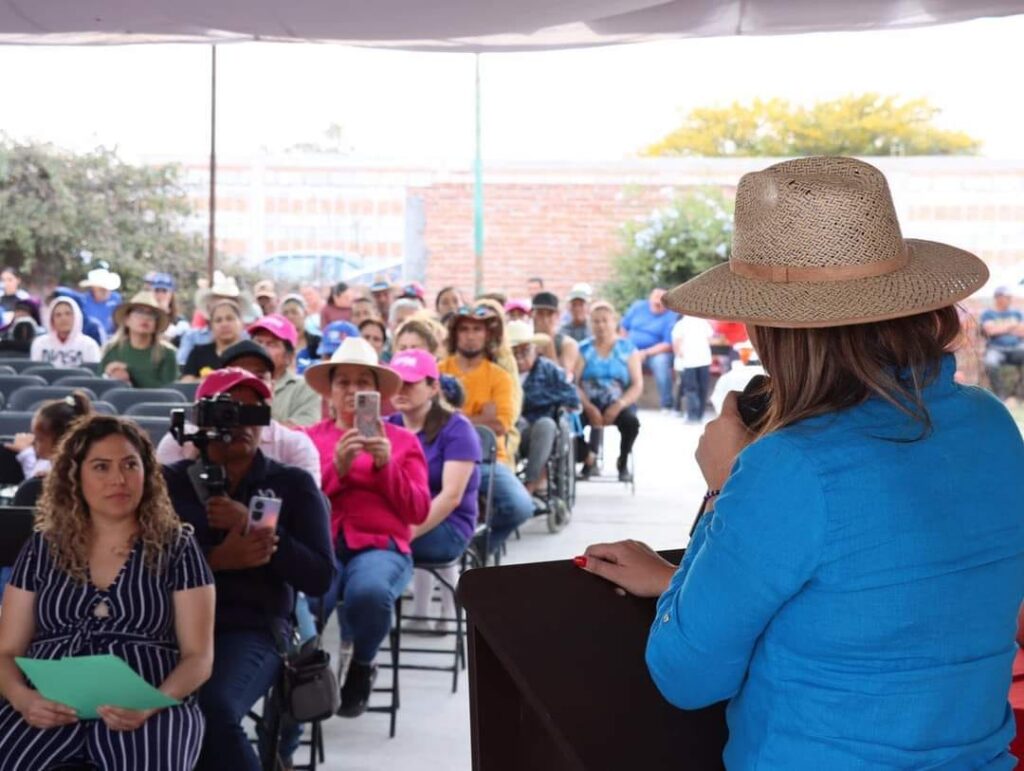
[368,413]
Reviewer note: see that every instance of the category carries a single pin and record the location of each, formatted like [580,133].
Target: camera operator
[257,570]
[278,442]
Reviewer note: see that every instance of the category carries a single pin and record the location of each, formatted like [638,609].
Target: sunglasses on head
[480,312]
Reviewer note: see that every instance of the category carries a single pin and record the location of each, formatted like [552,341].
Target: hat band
[785,274]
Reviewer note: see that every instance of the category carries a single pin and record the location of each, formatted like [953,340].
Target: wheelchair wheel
[558,515]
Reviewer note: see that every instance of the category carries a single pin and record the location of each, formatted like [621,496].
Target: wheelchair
[555,502]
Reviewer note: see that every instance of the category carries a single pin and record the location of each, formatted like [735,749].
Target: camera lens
[258,506]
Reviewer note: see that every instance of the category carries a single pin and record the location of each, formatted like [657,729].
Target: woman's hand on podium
[631,565]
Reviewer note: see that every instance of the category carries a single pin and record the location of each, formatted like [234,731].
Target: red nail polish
[581,562]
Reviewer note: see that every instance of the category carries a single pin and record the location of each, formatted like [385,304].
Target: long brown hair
[816,371]
[62,515]
[437,416]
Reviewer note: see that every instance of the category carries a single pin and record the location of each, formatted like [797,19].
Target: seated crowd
[141,552]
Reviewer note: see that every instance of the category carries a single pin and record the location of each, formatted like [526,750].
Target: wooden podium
[558,681]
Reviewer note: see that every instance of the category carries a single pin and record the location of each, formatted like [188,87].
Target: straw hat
[142,300]
[817,244]
[353,350]
[521,333]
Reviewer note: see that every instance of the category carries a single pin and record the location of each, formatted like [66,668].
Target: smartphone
[263,512]
[368,413]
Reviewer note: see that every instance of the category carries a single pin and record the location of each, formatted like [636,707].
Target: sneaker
[355,693]
[587,472]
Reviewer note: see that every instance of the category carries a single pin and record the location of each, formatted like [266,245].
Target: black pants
[629,427]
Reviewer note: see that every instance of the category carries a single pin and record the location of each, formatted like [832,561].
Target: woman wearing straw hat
[136,354]
[854,586]
[378,488]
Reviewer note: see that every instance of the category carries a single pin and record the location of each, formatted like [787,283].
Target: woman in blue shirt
[609,379]
[853,589]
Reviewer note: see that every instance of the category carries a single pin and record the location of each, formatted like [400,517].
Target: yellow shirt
[486,382]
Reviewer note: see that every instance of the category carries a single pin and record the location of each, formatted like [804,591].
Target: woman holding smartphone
[375,475]
[854,590]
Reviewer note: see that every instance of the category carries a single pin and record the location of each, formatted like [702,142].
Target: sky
[582,105]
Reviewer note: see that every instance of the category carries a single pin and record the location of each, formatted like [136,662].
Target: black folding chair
[480,546]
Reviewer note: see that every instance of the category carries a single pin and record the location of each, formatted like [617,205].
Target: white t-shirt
[694,334]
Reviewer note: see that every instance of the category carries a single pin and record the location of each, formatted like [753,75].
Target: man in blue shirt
[1003,328]
[648,325]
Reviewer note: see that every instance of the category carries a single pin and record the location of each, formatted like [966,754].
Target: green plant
[671,245]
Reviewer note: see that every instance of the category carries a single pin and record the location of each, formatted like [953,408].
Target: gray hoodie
[76,350]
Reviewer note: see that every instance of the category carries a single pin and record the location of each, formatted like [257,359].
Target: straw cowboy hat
[817,244]
[143,300]
[521,333]
[353,350]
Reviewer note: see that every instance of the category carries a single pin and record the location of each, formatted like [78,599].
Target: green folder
[88,682]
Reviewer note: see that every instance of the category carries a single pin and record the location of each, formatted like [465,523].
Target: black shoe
[623,466]
[587,472]
[355,693]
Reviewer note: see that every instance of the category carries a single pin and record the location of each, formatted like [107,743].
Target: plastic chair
[188,390]
[155,427]
[11,383]
[123,398]
[151,410]
[52,374]
[7,370]
[482,536]
[27,397]
[98,385]
[12,423]
[103,408]
[20,363]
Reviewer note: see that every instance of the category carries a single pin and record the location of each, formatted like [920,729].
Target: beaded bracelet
[710,494]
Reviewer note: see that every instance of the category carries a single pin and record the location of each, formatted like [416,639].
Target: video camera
[215,417]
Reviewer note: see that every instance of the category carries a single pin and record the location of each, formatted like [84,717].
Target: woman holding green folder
[110,570]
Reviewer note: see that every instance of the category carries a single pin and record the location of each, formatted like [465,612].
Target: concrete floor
[433,723]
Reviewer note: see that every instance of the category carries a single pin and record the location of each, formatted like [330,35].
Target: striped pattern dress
[133,619]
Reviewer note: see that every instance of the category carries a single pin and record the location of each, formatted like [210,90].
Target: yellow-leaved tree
[865,124]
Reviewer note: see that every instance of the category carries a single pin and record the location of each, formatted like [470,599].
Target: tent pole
[212,238]
[478,197]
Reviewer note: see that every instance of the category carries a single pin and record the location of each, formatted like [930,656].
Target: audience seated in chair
[257,570]
[64,344]
[110,570]
[545,391]
[295,402]
[452,450]
[489,402]
[378,490]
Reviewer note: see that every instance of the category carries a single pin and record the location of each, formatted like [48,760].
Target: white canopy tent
[462,25]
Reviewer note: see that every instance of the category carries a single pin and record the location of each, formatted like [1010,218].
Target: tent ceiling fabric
[462,25]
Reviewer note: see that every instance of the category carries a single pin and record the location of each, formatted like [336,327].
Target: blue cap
[159,280]
[333,334]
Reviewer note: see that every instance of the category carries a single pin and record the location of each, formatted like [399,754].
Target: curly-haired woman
[110,570]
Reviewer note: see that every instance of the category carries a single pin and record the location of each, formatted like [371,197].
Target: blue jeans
[693,388]
[245,665]
[442,544]
[660,365]
[368,583]
[512,504]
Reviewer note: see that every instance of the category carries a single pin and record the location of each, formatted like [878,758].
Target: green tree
[55,205]
[866,124]
[671,245]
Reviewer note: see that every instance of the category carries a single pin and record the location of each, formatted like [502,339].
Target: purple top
[456,441]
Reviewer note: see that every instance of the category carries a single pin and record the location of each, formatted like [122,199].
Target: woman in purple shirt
[452,448]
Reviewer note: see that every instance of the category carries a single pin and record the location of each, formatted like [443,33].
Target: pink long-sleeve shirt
[371,506]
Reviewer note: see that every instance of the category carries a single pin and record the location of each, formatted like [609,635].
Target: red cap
[223,380]
[278,326]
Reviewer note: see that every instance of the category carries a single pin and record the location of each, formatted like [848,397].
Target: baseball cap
[380,286]
[264,288]
[333,334]
[161,281]
[245,348]
[223,380]
[581,291]
[547,300]
[413,290]
[414,365]
[278,326]
[1003,291]
[517,305]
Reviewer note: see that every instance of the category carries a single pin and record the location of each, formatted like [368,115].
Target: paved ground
[433,723]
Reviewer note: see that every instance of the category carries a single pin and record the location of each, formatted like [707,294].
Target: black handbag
[310,688]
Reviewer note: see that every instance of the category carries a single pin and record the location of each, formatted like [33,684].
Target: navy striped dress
[133,619]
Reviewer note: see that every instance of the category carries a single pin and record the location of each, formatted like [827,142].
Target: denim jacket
[546,389]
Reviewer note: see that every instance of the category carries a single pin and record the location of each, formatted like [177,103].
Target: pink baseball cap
[223,380]
[414,365]
[518,305]
[278,326]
